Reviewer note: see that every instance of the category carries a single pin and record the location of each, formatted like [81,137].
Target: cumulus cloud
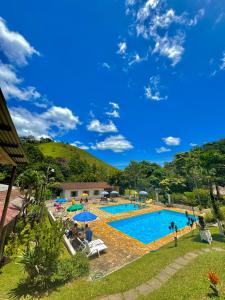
[152,89]
[193,144]
[96,126]
[172,141]
[80,145]
[14,46]
[162,149]
[53,122]
[11,85]
[122,47]
[116,143]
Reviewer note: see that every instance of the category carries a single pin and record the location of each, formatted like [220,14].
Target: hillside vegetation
[55,150]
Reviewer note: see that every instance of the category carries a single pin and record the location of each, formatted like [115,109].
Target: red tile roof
[12,212]
[85,185]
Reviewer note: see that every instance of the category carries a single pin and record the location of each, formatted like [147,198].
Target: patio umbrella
[143,193]
[114,193]
[61,200]
[75,207]
[84,195]
[104,193]
[85,216]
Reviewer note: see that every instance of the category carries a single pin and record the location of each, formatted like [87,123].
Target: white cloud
[193,144]
[114,105]
[116,143]
[172,48]
[222,65]
[14,46]
[153,21]
[61,117]
[53,122]
[122,48]
[162,149]
[105,65]
[172,141]
[114,114]
[97,126]
[145,11]
[135,59]
[11,85]
[80,145]
[152,89]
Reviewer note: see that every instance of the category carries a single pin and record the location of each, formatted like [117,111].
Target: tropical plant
[214,280]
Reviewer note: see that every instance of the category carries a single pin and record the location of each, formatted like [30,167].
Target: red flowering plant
[214,280]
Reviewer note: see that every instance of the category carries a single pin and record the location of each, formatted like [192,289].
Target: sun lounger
[93,247]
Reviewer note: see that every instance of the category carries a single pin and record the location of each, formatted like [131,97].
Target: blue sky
[122,79]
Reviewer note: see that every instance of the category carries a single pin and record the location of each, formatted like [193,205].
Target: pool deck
[122,249]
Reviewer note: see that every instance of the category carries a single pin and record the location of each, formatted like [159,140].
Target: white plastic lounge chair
[93,247]
[205,235]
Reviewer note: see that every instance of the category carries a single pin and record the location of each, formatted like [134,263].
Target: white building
[93,189]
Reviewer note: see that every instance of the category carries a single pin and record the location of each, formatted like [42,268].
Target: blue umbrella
[61,200]
[85,216]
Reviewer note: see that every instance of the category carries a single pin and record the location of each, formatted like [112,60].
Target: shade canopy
[143,193]
[114,193]
[85,216]
[61,200]
[104,193]
[84,195]
[133,192]
[75,207]
[11,151]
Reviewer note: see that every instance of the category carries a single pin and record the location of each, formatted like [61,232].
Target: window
[96,192]
[74,194]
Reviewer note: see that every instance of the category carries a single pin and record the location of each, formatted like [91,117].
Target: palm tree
[31,183]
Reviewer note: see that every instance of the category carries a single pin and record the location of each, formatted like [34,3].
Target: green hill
[55,149]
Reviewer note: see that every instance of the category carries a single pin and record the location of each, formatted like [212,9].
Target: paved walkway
[157,281]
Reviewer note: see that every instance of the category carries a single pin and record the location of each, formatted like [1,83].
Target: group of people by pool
[76,234]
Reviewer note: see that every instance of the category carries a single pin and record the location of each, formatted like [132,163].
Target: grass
[191,282]
[134,274]
[55,149]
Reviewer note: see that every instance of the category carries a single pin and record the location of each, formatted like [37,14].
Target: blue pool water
[149,227]
[120,208]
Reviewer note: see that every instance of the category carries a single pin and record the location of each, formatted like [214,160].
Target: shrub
[179,198]
[74,267]
[198,197]
[209,217]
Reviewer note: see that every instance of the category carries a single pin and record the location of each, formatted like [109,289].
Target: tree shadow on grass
[26,289]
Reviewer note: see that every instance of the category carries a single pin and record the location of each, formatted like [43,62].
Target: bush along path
[157,281]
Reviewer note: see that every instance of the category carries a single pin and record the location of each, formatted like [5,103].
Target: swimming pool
[149,227]
[120,208]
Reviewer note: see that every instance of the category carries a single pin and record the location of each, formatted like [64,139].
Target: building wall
[14,194]
[67,193]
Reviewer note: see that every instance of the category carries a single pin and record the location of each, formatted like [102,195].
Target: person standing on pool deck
[88,233]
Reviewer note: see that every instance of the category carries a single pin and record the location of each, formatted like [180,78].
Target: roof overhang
[11,151]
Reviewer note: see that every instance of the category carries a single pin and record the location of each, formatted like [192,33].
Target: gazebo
[11,153]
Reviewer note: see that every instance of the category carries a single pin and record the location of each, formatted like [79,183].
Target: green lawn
[191,282]
[136,273]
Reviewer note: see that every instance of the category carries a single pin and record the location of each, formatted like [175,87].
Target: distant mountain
[55,149]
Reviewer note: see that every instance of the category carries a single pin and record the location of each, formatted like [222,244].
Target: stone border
[161,278]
